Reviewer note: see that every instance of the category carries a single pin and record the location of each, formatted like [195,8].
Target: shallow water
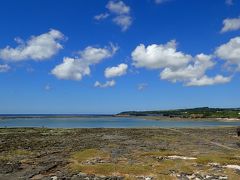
[107,122]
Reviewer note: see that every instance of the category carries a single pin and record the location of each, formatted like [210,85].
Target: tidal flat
[138,153]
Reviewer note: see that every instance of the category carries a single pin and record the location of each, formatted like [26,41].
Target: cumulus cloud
[76,68]
[176,66]
[101,16]
[105,85]
[93,55]
[71,69]
[118,7]
[231,24]
[124,21]
[205,80]
[159,56]
[119,70]
[120,12]
[230,51]
[200,64]
[37,48]
[194,74]
[4,68]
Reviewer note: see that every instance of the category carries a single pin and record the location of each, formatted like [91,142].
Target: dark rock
[9,167]
[238,131]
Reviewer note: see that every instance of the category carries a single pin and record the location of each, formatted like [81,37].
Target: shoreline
[162,118]
[122,128]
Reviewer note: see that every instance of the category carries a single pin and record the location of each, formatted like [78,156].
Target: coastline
[122,116]
[162,118]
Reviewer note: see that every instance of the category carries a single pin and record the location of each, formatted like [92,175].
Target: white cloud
[201,63]
[93,55]
[229,2]
[76,68]
[118,7]
[71,69]
[176,66]
[101,16]
[4,68]
[105,85]
[159,56]
[120,12]
[36,48]
[204,81]
[120,70]
[124,21]
[230,51]
[194,74]
[231,24]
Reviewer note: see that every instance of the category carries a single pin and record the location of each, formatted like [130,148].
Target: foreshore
[162,118]
[149,117]
[98,153]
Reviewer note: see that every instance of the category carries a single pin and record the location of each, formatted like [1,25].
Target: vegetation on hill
[202,112]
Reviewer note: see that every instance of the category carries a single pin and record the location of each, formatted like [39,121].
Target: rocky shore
[98,154]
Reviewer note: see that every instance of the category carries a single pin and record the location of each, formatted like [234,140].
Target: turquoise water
[106,122]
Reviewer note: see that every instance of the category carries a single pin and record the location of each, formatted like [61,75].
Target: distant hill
[201,112]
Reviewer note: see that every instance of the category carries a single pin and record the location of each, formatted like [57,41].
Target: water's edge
[109,122]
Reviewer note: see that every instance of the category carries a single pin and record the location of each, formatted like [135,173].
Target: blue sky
[109,56]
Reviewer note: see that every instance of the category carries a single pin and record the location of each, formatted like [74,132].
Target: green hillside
[202,112]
